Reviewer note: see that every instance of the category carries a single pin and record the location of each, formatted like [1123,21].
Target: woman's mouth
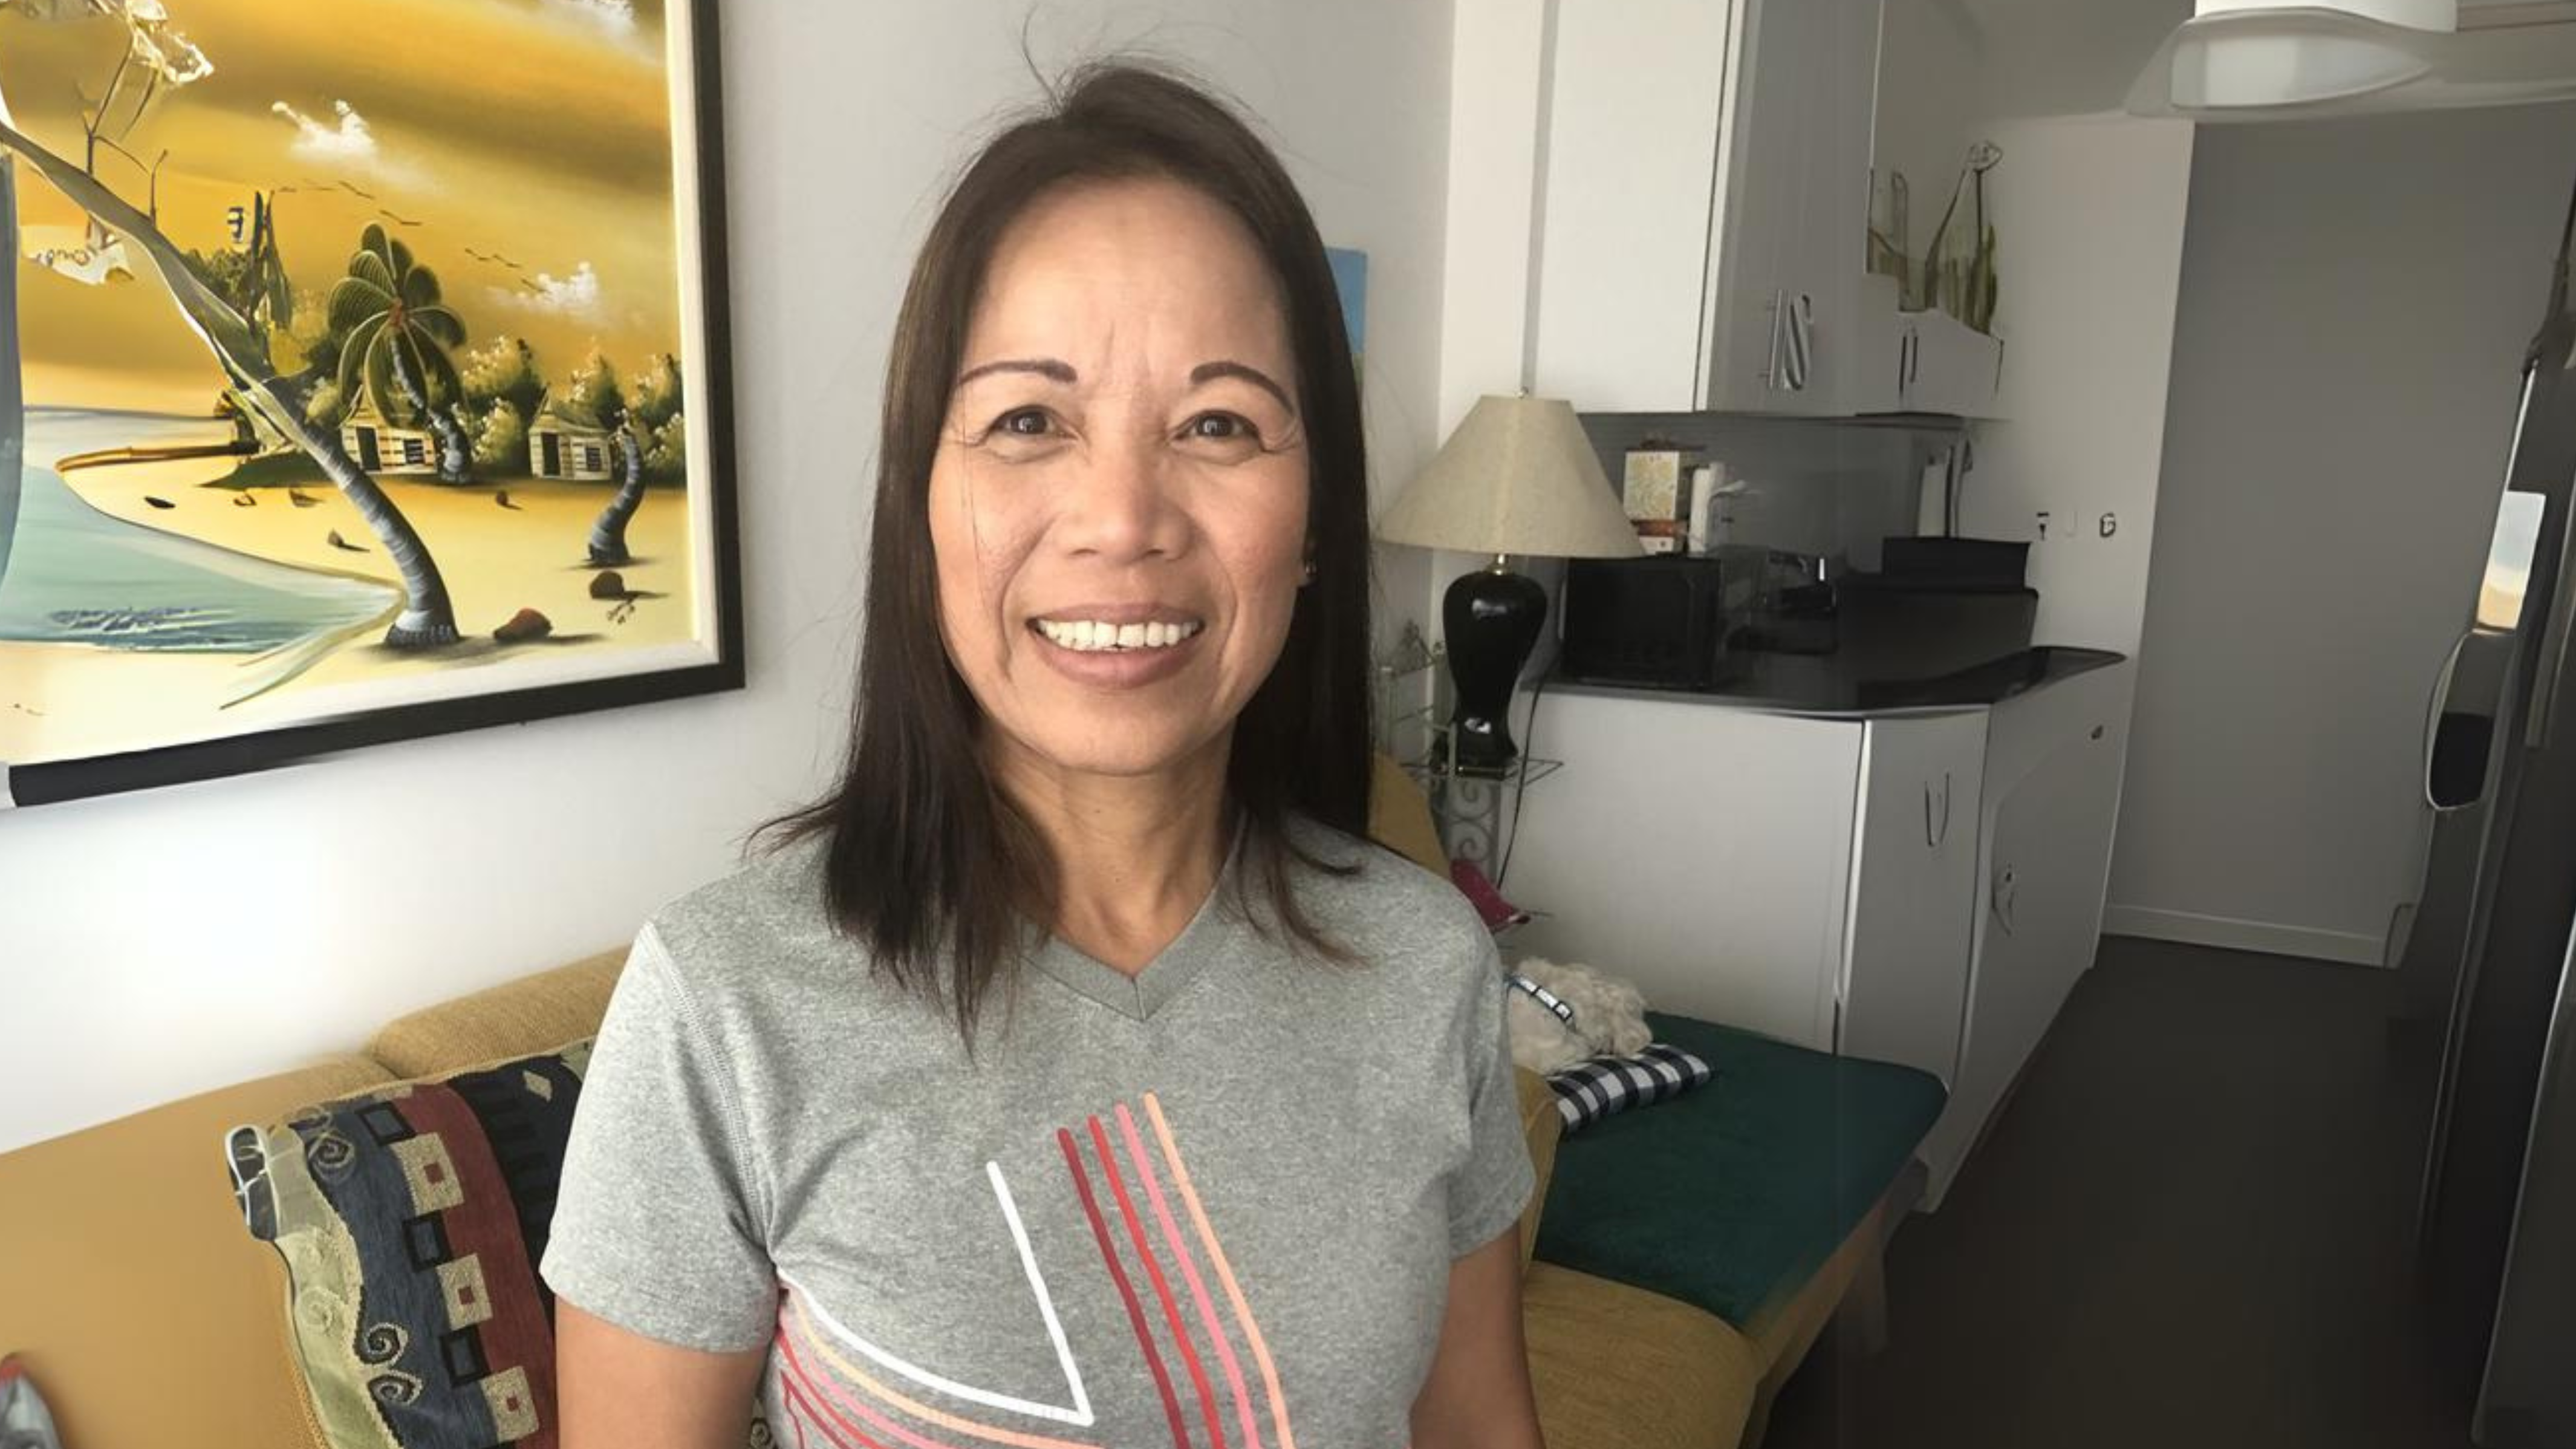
[1119,646]
[1102,636]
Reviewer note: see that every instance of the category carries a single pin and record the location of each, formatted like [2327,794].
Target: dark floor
[2188,1228]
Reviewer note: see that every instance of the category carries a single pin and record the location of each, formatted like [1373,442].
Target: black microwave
[1659,622]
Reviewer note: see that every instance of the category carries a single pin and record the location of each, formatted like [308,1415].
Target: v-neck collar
[1139,996]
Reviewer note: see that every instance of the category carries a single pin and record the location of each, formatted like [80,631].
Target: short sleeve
[653,1227]
[1489,1190]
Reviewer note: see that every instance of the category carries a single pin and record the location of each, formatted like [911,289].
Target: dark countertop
[1823,683]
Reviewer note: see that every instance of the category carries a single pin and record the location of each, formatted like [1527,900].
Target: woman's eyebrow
[1046,367]
[1207,372]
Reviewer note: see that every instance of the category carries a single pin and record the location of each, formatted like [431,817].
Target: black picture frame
[711,416]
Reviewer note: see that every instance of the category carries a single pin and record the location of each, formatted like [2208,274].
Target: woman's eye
[1221,427]
[1024,423]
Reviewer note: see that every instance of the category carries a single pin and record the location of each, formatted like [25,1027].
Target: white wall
[2088,216]
[2356,299]
[2063,57]
[159,944]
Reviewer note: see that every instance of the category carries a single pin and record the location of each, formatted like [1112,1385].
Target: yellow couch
[152,1320]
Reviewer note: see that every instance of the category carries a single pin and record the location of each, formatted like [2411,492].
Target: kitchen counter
[1824,684]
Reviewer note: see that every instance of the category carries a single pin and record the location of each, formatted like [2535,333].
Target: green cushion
[1735,1193]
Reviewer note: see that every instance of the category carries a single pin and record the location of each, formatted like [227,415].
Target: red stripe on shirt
[1162,1286]
[1126,1290]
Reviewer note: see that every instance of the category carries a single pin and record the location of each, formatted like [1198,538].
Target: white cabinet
[1705,208]
[1702,852]
[1809,878]
[1913,905]
[2052,787]
[1920,888]
[1946,366]
[1922,362]
[1638,90]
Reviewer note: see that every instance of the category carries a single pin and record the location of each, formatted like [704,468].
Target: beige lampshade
[1518,477]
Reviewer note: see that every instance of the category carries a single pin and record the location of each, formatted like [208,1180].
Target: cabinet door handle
[1935,832]
[1801,342]
[2007,887]
[1779,319]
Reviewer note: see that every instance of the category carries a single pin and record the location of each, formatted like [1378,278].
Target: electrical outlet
[2110,524]
[2043,525]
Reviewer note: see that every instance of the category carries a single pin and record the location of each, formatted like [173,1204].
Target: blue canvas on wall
[1350,279]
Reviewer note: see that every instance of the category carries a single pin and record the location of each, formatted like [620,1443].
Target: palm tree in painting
[397,334]
[427,617]
[608,533]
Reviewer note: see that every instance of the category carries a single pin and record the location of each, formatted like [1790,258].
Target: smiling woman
[1243,1165]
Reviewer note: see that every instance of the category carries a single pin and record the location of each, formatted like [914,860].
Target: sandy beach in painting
[151,603]
[58,699]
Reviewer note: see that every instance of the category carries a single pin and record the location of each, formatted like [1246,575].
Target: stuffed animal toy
[1561,1014]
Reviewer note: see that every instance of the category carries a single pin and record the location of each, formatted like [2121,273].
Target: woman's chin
[1121,750]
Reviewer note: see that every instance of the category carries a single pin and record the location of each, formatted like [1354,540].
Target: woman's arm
[621,1390]
[1478,1392]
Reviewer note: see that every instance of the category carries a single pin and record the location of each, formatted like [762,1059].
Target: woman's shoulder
[761,939]
[1381,903]
[773,899]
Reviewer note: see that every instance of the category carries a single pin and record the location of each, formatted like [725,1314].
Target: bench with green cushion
[1731,1196]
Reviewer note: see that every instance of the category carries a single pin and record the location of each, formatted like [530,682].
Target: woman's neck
[1136,855]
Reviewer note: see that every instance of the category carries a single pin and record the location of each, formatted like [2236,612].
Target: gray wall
[2356,298]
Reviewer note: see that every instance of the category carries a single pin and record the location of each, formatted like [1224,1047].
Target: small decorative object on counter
[1654,483]
[1711,493]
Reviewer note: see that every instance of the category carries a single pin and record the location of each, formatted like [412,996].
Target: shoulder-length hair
[930,865]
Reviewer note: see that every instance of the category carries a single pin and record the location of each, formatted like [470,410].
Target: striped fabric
[1183,1302]
[1589,1091]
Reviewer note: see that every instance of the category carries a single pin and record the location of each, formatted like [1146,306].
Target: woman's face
[1118,504]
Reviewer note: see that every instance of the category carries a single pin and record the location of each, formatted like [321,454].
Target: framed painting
[362,376]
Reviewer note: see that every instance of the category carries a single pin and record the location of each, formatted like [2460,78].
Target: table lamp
[1517,477]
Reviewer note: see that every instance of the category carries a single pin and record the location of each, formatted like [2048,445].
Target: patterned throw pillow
[1590,1091]
[412,1218]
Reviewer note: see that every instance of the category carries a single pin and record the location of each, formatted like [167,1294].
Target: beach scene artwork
[348,356]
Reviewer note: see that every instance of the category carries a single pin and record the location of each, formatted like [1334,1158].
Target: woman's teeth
[1085,636]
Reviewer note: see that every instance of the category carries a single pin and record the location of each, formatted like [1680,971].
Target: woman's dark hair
[929,861]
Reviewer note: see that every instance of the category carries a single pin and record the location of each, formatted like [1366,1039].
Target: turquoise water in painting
[79,576]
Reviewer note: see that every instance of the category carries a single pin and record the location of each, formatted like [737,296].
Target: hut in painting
[562,447]
[381,446]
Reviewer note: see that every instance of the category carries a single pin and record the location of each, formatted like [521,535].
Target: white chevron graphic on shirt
[1078,1413]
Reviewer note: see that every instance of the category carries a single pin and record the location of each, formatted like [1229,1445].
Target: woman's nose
[1120,503]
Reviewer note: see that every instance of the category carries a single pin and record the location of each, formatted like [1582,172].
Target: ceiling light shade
[2267,64]
[2238,57]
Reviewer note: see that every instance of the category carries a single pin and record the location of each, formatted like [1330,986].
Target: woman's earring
[1309,575]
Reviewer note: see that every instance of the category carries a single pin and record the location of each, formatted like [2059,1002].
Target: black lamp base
[1492,619]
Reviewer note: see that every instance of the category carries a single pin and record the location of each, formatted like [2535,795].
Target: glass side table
[1476,813]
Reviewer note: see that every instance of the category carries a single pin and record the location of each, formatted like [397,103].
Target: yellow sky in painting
[531,129]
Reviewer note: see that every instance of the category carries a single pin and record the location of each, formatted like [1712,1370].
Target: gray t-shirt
[1214,1203]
